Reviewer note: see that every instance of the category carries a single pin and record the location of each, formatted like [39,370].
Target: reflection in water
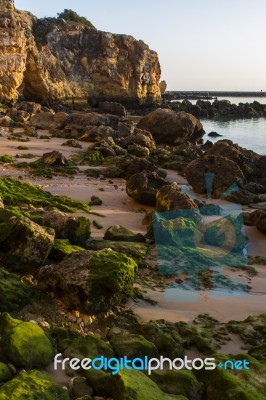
[248,133]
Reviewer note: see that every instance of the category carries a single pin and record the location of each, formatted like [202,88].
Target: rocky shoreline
[80,275]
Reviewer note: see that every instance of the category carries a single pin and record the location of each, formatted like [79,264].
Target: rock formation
[58,59]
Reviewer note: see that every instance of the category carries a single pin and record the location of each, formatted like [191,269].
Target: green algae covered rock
[62,248]
[221,384]
[15,193]
[23,243]
[90,281]
[111,278]
[90,346]
[5,373]
[78,230]
[138,251]
[32,385]
[119,233]
[133,346]
[134,385]
[14,293]
[102,382]
[178,382]
[24,344]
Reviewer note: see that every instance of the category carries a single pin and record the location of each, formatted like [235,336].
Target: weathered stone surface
[172,128]
[170,198]
[61,59]
[54,158]
[143,187]
[90,281]
[225,173]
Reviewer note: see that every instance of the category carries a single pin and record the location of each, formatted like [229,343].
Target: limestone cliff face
[57,59]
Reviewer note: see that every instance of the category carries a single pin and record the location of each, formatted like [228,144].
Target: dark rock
[214,134]
[223,174]
[113,108]
[54,158]
[119,233]
[169,127]
[143,187]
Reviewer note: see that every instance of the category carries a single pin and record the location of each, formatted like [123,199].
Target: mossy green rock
[24,344]
[138,251]
[78,230]
[32,385]
[23,243]
[119,233]
[102,382]
[178,382]
[15,193]
[93,157]
[5,373]
[62,248]
[221,384]
[14,293]
[112,277]
[90,346]
[133,346]
[134,385]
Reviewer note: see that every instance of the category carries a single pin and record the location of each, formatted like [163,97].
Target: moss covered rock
[24,343]
[90,346]
[102,382]
[133,346]
[119,233]
[23,243]
[62,248]
[32,385]
[14,192]
[91,281]
[5,373]
[78,230]
[134,385]
[234,384]
[138,251]
[178,382]
[14,293]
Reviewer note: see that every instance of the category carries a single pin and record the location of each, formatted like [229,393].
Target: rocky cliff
[56,59]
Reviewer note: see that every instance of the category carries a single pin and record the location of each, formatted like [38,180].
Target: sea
[249,133]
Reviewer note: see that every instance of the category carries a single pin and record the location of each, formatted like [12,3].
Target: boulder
[14,293]
[133,346]
[220,171]
[143,187]
[119,233]
[5,374]
[24,245]
[138,150]
[135,385]
[169,127]
[260,221]
[49,120]
[24,344]
[32,385]
[171,198]
[90,281]
[97,133]
[109,107]
[134,165]
[54,158]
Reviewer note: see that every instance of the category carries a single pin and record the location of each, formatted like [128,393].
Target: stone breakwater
[54,58]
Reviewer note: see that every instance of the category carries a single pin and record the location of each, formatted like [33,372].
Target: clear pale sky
[202,44]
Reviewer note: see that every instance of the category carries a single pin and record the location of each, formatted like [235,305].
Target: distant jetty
[208,95]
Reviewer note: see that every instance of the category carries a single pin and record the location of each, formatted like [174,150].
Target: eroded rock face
[57,59]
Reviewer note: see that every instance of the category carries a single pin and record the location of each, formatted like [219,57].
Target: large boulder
[172,128]
[24,245]
[90,281]
[24,344]
[132,346]
[218,171]
[14,293]
[143,187]
[135,385]
[119,233]
[171,198]
[32,385]
[54,158]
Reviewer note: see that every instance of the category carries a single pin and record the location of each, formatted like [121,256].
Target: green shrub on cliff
[71,15]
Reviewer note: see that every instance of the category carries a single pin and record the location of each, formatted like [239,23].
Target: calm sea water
[237,100]
[248,133]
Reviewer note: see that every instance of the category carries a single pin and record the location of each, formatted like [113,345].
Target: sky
[202,44]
